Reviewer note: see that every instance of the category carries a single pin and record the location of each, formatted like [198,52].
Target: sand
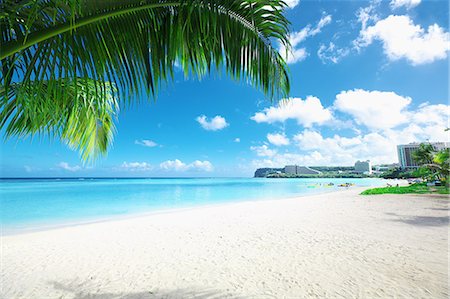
[335,245]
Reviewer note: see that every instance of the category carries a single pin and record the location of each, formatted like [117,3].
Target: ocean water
[37,203]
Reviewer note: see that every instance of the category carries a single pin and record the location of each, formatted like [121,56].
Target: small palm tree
[434,164]
[67,65]
[423,154]
[442,164]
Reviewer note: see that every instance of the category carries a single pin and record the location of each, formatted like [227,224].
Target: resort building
[405,151]
[295,169]
[363,167]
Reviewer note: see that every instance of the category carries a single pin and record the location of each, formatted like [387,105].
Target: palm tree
[67,65]
[423,154]
[442,164]
[432,163]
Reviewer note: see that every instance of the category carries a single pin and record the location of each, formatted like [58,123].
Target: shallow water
[32,203]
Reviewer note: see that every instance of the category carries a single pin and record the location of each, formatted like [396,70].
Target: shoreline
[338,244]
[113,218]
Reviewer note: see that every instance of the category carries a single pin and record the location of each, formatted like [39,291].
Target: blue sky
[365,76]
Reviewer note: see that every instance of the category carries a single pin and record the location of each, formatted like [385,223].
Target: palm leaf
[133,45]
[82,116]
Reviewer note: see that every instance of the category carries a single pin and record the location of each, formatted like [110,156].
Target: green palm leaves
[85,53]
[81,114]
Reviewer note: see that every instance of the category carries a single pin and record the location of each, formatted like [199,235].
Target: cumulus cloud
[345,151]
[263,151]
[374,109]
[278,139]
[381,121]
[66,166]
[237,140]
[201,165]
[306,112]
[404,3]
[296,53]
[381,111]
[431,114]
[146,142]
[176,165]
[179,166]
[379,147]
[282,159]
[314,149]
[402,39]
[136,166]
[216,123]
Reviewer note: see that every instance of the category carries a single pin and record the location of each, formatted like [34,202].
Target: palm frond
[81,115]
[133,45]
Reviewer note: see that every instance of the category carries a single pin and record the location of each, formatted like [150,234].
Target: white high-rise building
[363,167]
[405,151]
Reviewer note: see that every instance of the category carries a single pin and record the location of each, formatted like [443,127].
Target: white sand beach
[335,245]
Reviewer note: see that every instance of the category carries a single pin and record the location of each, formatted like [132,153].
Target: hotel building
[363,167]
[405,151]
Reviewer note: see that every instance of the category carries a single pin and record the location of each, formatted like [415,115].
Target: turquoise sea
[38,203]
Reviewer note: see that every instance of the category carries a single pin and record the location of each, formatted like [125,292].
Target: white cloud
[278,139]
[283,159]
[338,150]
[331,53]
[313,149]
[201,165]
[146,142]
[307,112]
[292,3]
[136,166]
[431,114]
[379,147]
[296,53]
[401,38]
[367,14]
[237,140]
[404,3]
[381,121]
[179,166]
[325,20]
[309,139]
[374,109]
[217,123]
[66,166]
[176,165]
[263,151]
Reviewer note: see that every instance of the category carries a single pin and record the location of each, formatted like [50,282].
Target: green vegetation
[398,173]
[68,65]
[322,175]
[434,165]
[334,169]
[415,188]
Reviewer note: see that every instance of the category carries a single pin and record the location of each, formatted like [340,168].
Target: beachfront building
[295,169]
[405,151]
[363,167]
